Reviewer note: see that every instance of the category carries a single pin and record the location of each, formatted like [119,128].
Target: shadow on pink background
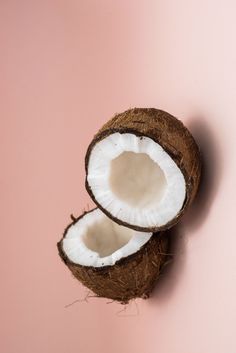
[66,67]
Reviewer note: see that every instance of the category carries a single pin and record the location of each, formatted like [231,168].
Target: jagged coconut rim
[153,215]
[94,228]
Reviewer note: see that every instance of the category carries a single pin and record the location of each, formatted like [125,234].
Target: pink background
[66,67]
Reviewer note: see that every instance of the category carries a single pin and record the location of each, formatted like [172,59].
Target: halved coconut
[143,169]
[113,261]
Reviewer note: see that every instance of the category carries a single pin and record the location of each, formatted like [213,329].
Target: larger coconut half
[143,169]
[113,261]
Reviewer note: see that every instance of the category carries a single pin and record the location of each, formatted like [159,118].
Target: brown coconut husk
[131,277]
[174,138]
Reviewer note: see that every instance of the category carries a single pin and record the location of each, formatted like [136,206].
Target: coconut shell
[131,277]
[175,139]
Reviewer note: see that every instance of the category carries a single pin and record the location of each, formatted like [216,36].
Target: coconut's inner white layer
[95,240]
[135,180]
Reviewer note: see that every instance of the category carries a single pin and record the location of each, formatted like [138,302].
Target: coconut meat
[95,240]
[136,180]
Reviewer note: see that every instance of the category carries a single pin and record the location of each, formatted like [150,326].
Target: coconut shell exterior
[174,138]
[131,277]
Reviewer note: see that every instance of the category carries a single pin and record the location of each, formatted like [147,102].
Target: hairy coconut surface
[181,157]
[132,276]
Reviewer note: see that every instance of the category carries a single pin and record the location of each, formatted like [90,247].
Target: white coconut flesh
[135,180]
[95,240]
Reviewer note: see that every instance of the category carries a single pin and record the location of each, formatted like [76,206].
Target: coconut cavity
[95,240]
[144,183]
[111,260]
[105,237]
[135,180]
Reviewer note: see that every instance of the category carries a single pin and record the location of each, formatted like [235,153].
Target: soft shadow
[170,275]
[195,217]
[212,167]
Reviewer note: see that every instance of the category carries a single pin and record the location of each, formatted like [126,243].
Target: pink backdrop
[66,67]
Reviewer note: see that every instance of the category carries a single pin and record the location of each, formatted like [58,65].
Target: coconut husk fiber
[174,138]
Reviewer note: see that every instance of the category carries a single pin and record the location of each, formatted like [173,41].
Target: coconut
[111,260]
[143,169]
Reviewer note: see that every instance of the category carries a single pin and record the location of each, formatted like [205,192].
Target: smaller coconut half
[111,260]
[143,169]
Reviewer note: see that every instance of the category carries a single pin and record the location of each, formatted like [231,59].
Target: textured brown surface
[131,277]
[171,134]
